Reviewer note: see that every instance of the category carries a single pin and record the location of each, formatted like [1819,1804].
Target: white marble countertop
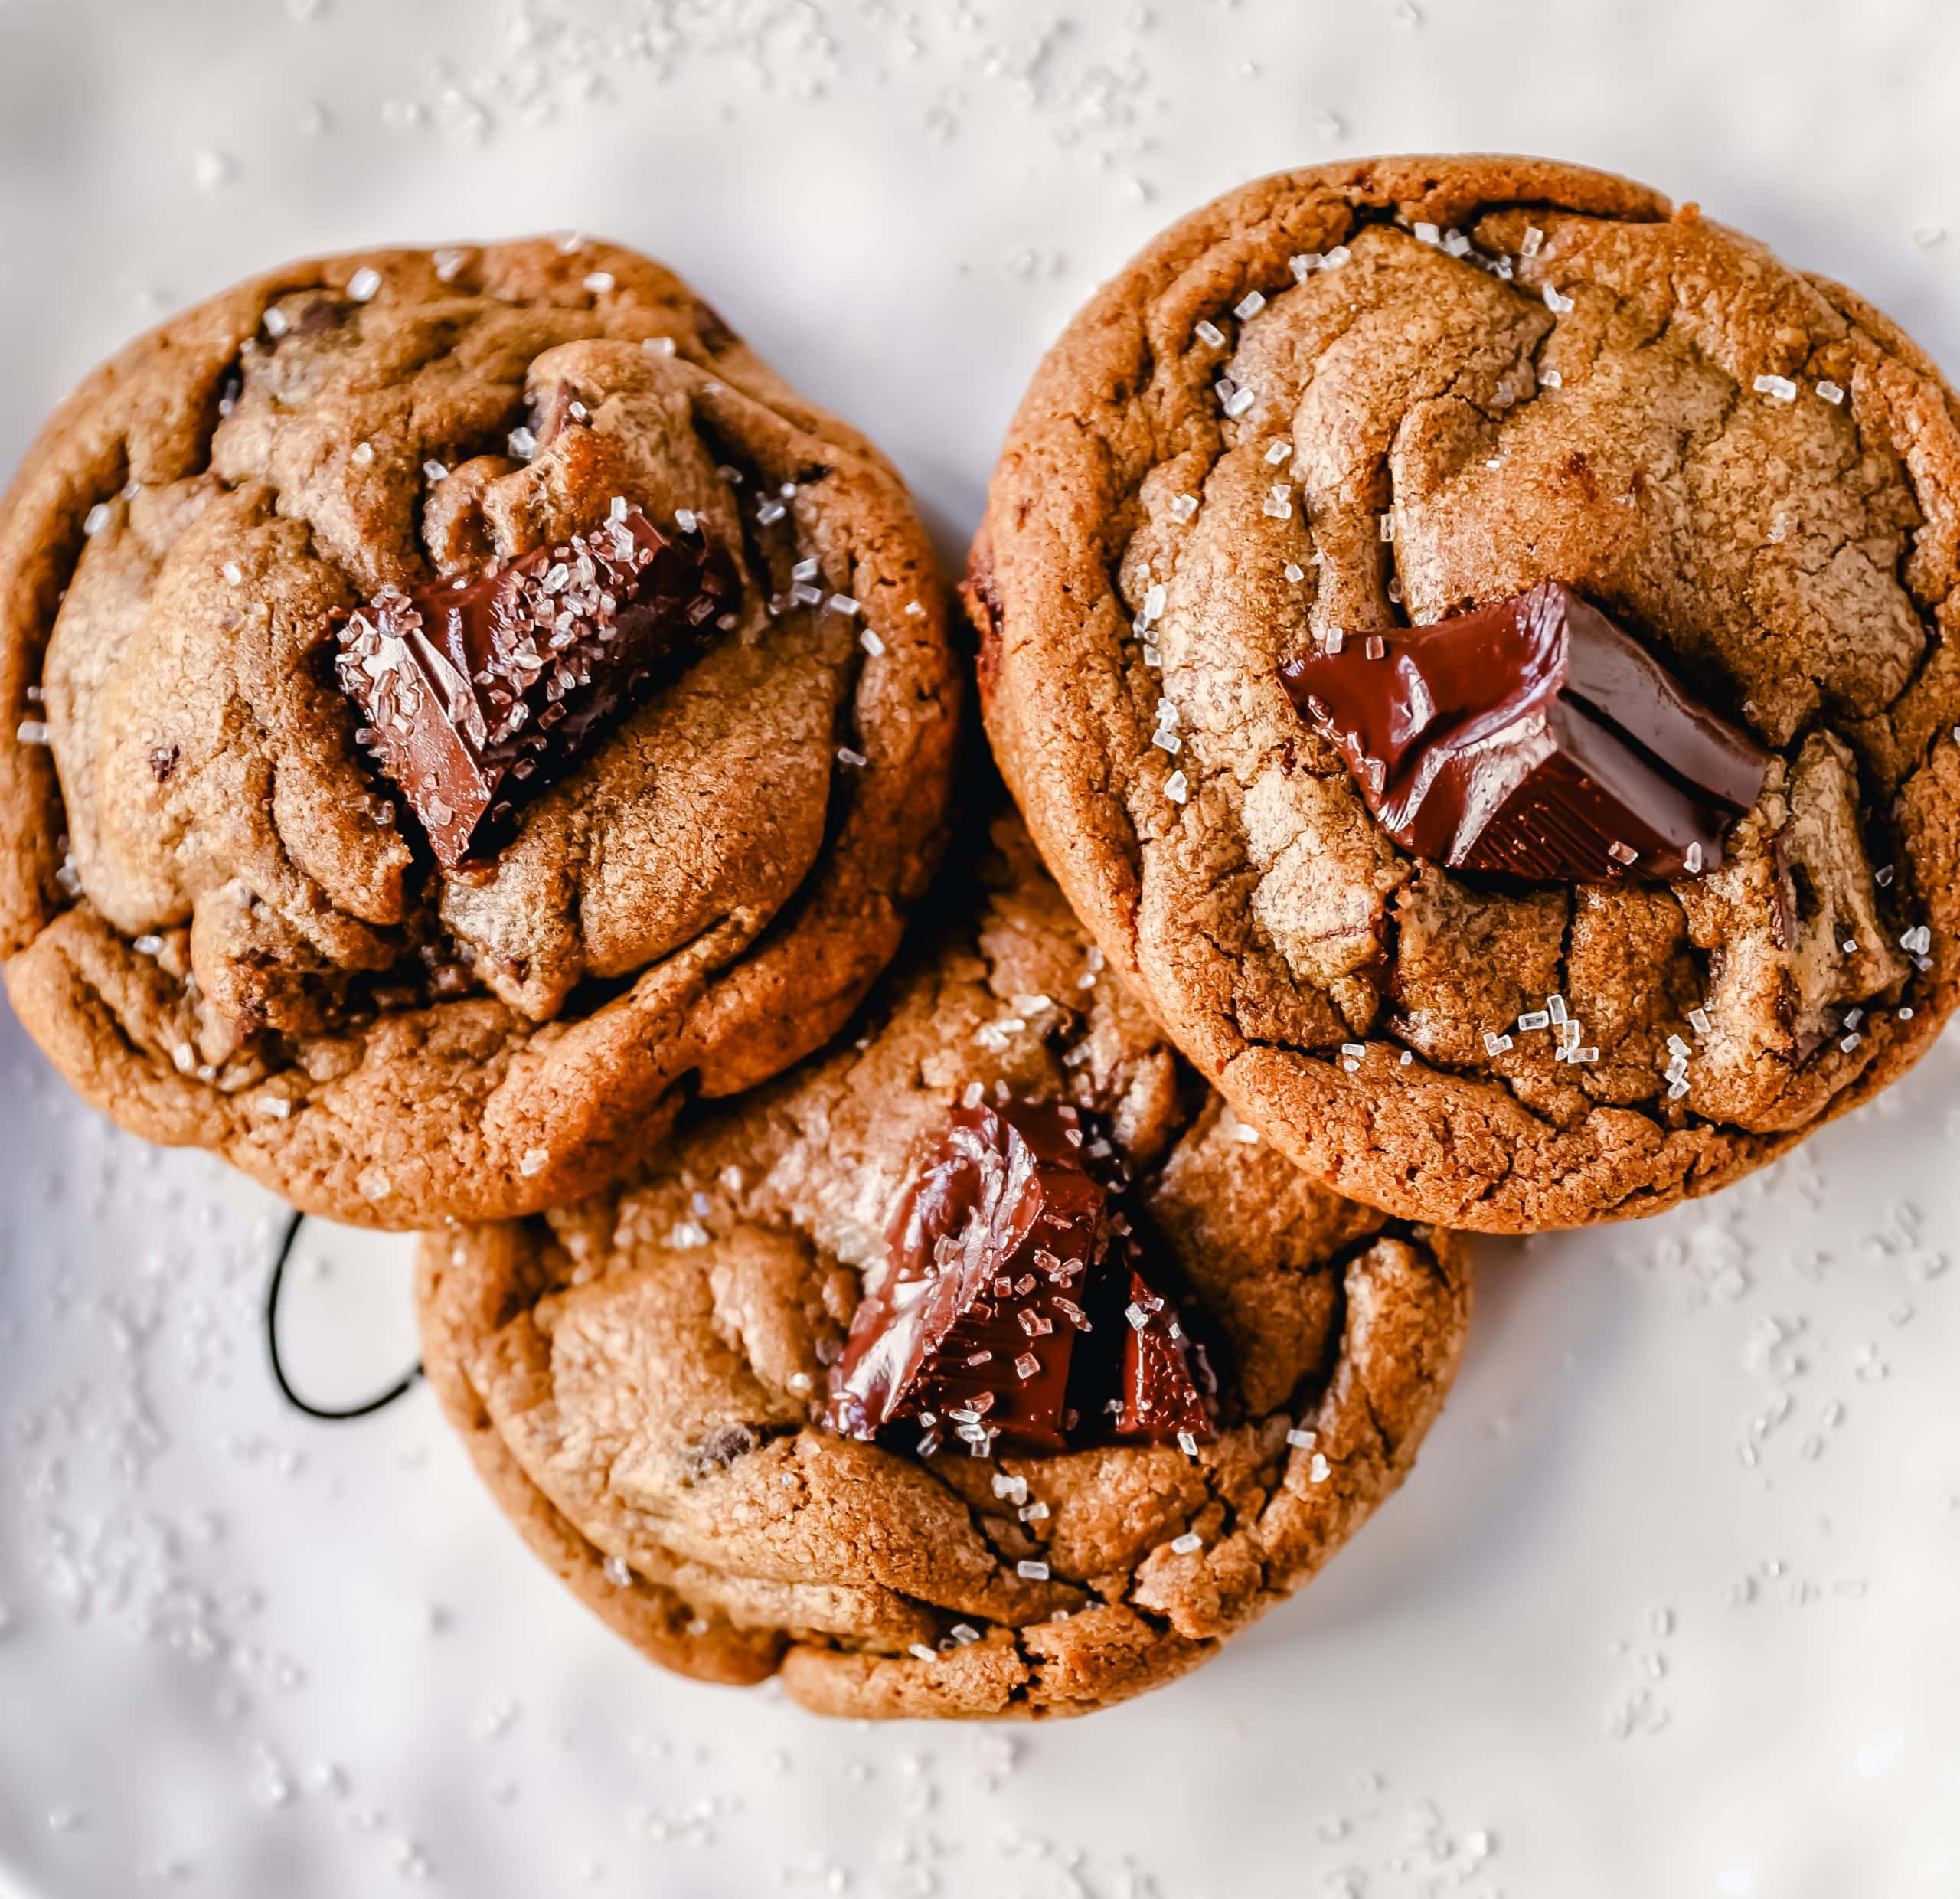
[1668,1607]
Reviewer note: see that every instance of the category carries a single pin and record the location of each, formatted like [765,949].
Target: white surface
[1669,1607]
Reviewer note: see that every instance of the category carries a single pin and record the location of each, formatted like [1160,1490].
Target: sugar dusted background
[1668,1607]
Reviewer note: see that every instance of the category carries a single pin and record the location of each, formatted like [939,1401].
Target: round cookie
[1363,399]
[641,1379]
[455,696]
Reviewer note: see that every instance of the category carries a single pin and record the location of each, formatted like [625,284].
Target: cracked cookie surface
[638,1378]
[1376,395]
[225,925]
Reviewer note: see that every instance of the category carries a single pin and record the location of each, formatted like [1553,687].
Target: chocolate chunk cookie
[454,698]
[667,1387]
[1472,641]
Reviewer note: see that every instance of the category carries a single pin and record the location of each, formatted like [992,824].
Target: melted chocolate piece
[1532,737]
[997,1254]
[477,693]
[1158,1392]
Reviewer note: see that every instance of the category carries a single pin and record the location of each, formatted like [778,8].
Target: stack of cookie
[1467,643]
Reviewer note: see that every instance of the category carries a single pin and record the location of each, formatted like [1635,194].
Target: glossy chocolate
[998,1251]
[1533,738]
[1157,1395]
[477,692]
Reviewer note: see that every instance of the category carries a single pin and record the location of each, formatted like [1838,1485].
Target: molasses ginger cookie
[983,1366]
[458,699]
[1471,642]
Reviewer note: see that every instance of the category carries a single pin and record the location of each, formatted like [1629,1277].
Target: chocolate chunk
[477,692]
[975,1315]
[1158,1392]
[1532,737]
[997,1253]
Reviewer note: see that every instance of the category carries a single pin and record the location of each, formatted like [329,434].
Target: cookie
[1473,643]
[458,697]
[668,1387]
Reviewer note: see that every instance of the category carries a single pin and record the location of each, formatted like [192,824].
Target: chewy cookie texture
[665,1387]
[1475,644]
[456,698]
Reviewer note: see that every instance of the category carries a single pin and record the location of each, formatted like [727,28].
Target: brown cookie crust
[1795,561]
[707,894]
[637,1377]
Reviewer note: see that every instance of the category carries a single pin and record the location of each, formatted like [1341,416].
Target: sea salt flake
[1557,302]
[1779,387]
[1177,787]
[1183,507]
[1831,392]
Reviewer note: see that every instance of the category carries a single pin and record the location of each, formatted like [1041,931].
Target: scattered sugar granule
[1781,387]
[363,284]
